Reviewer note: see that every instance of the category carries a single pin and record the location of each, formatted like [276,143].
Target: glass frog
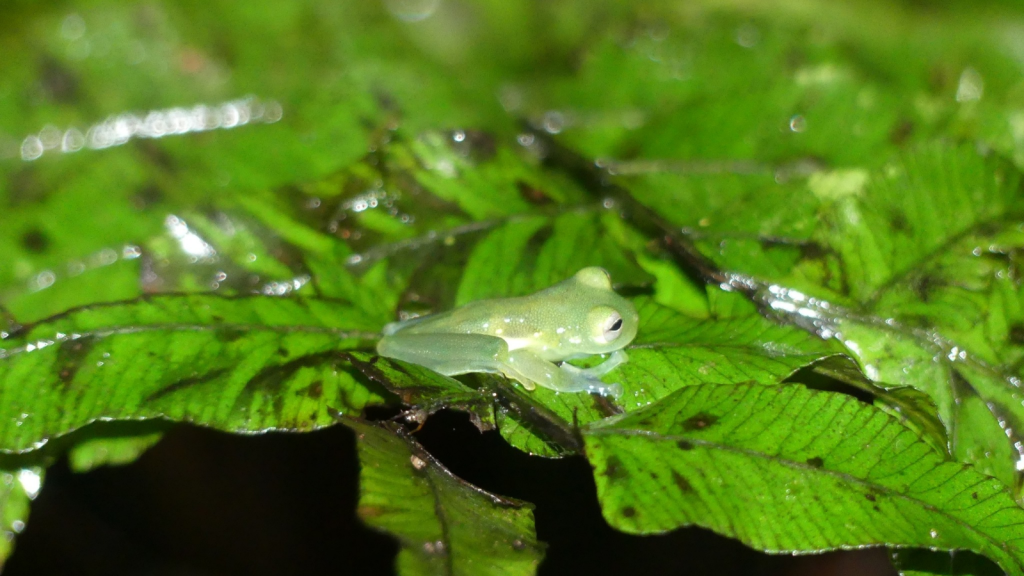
[523,337]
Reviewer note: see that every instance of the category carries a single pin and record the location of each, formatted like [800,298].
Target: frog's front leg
[558,378]
[617,358]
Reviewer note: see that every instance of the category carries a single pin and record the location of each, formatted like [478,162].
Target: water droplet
[31,148]
[971,87]
[554,122]
[412,10]
[31,482]
[43,280]
[798,123]
[748,35]
[73,27]
[933,533]
[50,136]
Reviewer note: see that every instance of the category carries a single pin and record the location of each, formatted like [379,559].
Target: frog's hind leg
[452,354]
[449,354]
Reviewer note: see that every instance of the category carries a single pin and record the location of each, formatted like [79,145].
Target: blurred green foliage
[208,209]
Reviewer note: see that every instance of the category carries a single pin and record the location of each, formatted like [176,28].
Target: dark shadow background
[207,503]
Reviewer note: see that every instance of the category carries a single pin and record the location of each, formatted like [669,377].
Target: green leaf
[92,453]
[18,487]
[914,408]
[914,211]
[419,164]
[443,524]
[843,473]
[239,364]
[920,257]
[977,407]
[528,254]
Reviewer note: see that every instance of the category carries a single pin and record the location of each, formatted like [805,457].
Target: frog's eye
[612,327]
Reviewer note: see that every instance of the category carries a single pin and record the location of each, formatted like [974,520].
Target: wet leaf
[913,212]
[114,451]
[529,254]
[444,525]
[424,390]
[852,181]
[269,363]
[18,487]
[844,473]
[911,266]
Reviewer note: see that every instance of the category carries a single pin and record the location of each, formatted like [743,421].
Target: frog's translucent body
[523,337]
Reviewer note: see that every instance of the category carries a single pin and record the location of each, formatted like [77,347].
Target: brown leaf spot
[614,470]
[70,357]
[898,222]
[901,131]
[1017,333]
[369,511]
[532,194]
[682,483]
[699,421]
[315,390]
[35,241]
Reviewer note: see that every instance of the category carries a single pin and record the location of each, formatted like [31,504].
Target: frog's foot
[583,380]
[614,390]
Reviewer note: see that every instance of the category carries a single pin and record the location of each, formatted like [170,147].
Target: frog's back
[505,317]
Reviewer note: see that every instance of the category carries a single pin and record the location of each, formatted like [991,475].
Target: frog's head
[608,321]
